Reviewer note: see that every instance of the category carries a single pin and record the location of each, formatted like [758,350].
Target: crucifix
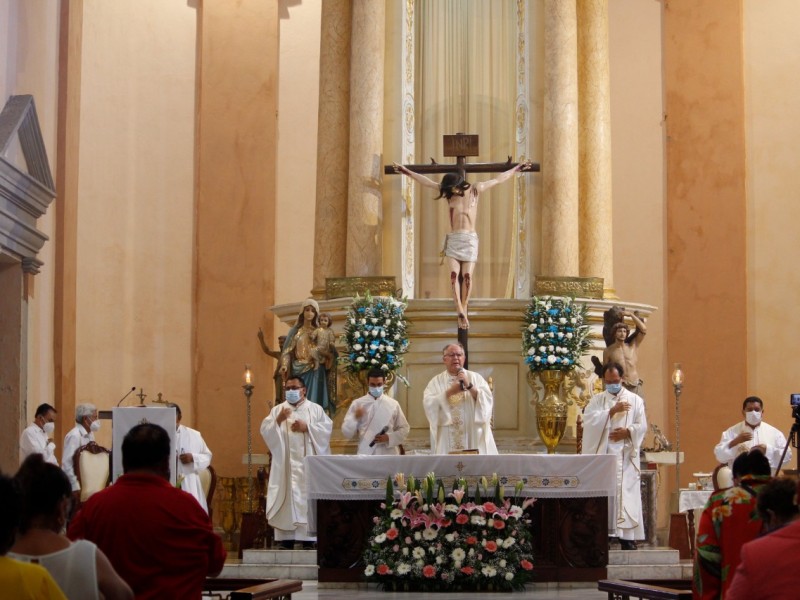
[461,244]
[141,395]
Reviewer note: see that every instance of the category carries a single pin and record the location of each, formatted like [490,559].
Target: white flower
[515,511]
[357,346]
[420,563]
[477,520]
[559,335]
[418,552]
[430,533]
[385,367]
[542,348]
[417,536]
[541,336]
[562,320]
[352,321]
[387,322]
[565,361]
[569,335]
[397,513]
[550,348]
[508,542]
[383,333]
[531,351]
[503,562]
[373,362]
[370,570]
[360,359]
[531,327]
[363,321]
[397,336]
[405,551]
[389,347]
[573,320]
[403,568]
[509,576]
[551,359]
[439,560]
[471,552]
[380,538]
[458,554]
[488,571]
[537,359]
[541,321]
[374,320]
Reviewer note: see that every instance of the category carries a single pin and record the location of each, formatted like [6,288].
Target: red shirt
[157,537]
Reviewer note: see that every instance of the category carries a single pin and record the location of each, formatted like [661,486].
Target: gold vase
[551,409]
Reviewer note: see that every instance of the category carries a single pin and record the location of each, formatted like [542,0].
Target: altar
[571,519]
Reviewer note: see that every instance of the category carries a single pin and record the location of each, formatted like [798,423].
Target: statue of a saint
[276,354]
[461,244]
[326,345]
[301,357]
[624,349]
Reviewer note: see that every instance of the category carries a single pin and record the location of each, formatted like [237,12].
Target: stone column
[560,155]
[596,236]
[364,213]
[333,141]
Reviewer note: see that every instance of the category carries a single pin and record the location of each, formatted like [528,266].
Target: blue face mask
[293,396]
[375,392]
[613,388]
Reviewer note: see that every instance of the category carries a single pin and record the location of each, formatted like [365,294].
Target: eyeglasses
[453,355]
[293,388]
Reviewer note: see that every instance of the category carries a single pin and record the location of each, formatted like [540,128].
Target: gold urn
[551,409]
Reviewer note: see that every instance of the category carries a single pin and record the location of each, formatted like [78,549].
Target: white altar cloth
[348,477]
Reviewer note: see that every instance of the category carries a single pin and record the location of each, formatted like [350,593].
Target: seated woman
[19,580]
[80,568]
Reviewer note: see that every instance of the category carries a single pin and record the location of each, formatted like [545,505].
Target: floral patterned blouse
[728,521]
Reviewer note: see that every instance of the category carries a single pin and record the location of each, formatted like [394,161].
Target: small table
[688,502]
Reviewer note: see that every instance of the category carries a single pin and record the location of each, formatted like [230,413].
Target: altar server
[458,404]
[614,422]
[36,437]
[378,419]
[193,457]
[293,430]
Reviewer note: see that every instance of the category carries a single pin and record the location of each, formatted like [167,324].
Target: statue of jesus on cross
[461,244]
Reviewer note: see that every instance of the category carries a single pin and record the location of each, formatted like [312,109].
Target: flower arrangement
[376,334]
[430,541]
[554,334]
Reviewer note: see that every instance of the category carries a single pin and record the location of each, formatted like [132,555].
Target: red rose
[467,570]
[526,564]
[472,540]
[491,546]
[490,507]
[498,524]
[462,519]
[429,571]
[383,570]
[392,533]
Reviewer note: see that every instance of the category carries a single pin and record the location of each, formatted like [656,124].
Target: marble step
[269,571]
[272,557]
[644,556]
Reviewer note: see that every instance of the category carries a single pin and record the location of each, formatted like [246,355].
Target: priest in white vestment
[750,433]
[458,404]
[614,422]
[378,419]
[293,430]
[77,437]
[193,456]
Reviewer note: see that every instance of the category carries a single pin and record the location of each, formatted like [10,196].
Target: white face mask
[293,396]
[753,417]
[49,427]
[375,392]
[95,426]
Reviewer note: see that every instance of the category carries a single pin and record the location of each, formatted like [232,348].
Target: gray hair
[84,410]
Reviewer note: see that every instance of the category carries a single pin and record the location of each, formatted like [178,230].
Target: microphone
[133,389]
[382,431]
[461,381]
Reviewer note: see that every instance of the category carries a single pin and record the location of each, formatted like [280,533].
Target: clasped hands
[620,433]
[299,426]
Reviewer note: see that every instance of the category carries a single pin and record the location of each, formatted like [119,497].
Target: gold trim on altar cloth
[507,481]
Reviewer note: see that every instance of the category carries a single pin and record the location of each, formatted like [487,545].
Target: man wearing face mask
[293,430]
[377,418]
[80,435]
[193,456]
[752,433]
[36,437]
[614,422]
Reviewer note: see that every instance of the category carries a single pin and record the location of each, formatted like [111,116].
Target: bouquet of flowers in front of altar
[426,540]
[376,335]
[554,334]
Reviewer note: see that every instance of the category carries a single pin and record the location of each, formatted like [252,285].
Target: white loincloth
[461,245]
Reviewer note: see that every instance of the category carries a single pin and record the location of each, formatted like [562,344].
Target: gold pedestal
[551,410]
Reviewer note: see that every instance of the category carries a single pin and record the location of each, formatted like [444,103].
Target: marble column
[560,128]
[333,140]
[364,213]
[596,236]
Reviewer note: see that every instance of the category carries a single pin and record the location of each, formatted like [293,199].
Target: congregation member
[81,570]
[614,422]
[767,564]
[193,456]
[729,520]
[459,404]
[86,424]
[36,438]
[157,537]
[20,580]
[750,433]
[293,430]
[377,419]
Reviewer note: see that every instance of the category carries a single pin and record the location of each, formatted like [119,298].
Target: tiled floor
[311,591]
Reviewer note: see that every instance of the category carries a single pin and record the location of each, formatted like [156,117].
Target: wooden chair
[208,481]
[722,478]
[92,465]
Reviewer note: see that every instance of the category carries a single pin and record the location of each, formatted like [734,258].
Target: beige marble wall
[772,128]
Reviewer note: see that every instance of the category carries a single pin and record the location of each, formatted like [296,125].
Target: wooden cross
[141,395]
[460,146]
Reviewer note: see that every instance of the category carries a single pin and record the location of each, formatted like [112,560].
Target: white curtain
[465,77]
